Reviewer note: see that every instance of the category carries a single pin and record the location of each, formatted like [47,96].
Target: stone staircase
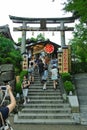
[45,106]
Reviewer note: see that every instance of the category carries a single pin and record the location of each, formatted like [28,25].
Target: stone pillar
[23,44]
[62,34]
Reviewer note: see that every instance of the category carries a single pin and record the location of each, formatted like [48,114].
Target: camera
[3,87]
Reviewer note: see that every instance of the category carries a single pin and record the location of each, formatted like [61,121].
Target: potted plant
[69,87]
[72,97]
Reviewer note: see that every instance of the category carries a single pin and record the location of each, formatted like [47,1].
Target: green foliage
[6,45]
[19,39]
[8,53]
[79,67]
[33,39]
[67,81]
[79,42]
[66,76]
[40,37]
[68,86]
[18,88]
[78,8]
[24,72]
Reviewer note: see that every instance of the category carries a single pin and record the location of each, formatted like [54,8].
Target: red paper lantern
[49,48]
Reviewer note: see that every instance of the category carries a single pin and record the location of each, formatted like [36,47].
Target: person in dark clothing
[41,68]
[45,76]
[5,110]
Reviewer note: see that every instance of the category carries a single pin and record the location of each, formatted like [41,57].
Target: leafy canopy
[8,53]
[78,8]
[79,42]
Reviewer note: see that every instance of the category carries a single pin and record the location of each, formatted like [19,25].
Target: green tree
[79,42]
[40,37]
[8,53]
[78,8]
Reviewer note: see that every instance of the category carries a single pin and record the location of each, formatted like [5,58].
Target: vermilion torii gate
[42,22]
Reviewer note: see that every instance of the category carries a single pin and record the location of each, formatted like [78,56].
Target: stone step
[46,101]
[50,86]
[45,97]
[46,105]
[44,110]
[43,121]
[41,90]
[50,81]
[44,115]
[44,93]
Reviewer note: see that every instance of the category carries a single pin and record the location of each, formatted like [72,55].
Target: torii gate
[42,22]
[43,27]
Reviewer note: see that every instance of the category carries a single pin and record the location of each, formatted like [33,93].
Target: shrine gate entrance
[63,56]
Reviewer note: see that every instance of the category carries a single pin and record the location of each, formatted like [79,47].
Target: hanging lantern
[49,48]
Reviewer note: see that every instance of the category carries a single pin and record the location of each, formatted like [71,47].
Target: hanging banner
[65,60]
[49,48]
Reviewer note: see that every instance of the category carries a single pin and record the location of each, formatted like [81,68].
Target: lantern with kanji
[49,48]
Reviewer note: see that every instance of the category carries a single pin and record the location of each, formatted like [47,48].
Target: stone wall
[7,74]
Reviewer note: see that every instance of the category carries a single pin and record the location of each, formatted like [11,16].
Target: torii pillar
[23,44]
[62,34]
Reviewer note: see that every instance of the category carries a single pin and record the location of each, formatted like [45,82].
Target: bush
[68,86]
[9,54]
[66,77]
[24,72]
[18,88]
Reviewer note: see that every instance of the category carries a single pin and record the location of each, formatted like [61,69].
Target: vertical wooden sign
[65,60]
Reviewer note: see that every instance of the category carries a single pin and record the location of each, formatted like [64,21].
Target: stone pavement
[81,87]
[46,127]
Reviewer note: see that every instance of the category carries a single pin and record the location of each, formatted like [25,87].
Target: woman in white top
[54,76]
